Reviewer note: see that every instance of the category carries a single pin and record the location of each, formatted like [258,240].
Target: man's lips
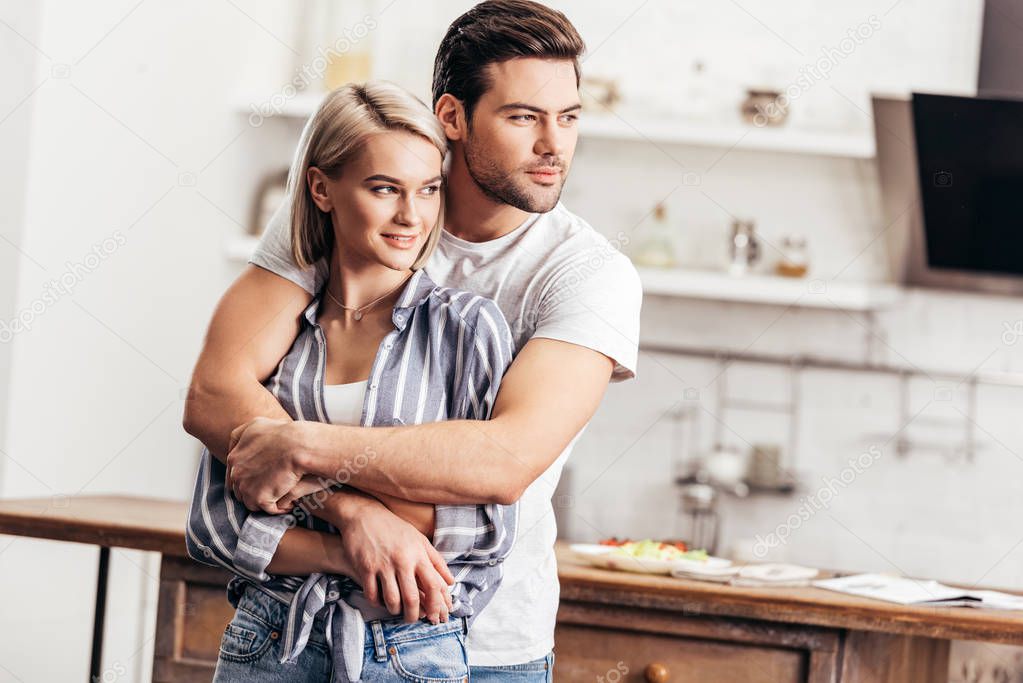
[546,174]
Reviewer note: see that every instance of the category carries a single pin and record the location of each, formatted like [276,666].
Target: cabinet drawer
[602,655]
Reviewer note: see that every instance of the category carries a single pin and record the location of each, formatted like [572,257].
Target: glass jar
[795,260]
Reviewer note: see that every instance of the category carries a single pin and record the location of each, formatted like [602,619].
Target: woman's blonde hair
[334,136]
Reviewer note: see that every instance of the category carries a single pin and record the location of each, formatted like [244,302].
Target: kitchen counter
[813,606]
[619,626]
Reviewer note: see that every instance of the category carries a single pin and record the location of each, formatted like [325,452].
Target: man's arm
[252,328]
[550,392]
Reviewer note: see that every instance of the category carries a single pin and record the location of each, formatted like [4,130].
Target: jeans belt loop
[465,626]
[379,645]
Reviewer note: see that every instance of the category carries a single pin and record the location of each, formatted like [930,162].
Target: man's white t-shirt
[553,277]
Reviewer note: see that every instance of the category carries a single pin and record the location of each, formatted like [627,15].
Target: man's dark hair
[495,31]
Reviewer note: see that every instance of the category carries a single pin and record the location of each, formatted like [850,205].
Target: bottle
[656,245]
[743,248]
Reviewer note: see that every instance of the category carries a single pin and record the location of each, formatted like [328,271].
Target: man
[505,89]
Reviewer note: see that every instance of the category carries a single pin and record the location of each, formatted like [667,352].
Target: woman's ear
[317,182]
[451,114]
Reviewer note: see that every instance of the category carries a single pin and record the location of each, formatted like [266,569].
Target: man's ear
[317,182]
[451,114]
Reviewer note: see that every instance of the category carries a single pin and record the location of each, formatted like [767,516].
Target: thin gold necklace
[357,312]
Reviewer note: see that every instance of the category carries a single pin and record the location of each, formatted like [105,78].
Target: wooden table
[192,610]
[622,627]
[693,630]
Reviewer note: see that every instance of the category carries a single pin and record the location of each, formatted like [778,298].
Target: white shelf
[735,135]
[629,128]
[715,286]
[769,290]
[240,247]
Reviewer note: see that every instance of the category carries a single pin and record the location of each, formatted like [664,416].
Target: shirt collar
[415,293]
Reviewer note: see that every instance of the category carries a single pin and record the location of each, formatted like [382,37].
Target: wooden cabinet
[629,645]
[600,654]
[615,627]
[191,617]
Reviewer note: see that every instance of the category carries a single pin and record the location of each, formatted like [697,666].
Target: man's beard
[498,185]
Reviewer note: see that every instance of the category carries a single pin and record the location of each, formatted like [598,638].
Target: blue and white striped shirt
[444,359]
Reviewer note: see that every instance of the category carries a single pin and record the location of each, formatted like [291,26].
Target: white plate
[588,549]
[602,556]
[686,572]
[711,563]
[780,573]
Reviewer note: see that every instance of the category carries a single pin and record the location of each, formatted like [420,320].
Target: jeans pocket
[246,638]
[437,659]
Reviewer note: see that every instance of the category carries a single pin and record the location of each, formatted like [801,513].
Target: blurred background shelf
[769,290]
[734,135]
[628,128]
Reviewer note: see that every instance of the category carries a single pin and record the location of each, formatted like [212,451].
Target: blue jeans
[537,671]
[251,649]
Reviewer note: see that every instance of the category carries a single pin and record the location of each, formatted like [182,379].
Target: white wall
[135,138]
[18,57]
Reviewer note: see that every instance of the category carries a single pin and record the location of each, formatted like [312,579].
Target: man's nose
[551,140]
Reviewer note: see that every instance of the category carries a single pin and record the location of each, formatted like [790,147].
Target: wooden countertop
[158,525]
[122,521]
[813,606]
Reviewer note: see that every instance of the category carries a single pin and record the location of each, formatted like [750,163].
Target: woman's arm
[420,515]
[394,562]
[302,552]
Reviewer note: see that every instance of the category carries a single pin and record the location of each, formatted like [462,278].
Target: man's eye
[524,117]
[569,118]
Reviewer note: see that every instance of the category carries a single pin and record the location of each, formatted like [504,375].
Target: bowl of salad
[646,556]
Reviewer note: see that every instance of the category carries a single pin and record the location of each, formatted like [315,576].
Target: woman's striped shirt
[444,359]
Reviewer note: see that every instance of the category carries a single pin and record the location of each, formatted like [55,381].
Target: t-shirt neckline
[497,242]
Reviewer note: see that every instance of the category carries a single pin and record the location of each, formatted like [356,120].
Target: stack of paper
[913,592]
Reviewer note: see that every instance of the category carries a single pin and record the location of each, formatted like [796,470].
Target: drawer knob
[656,673]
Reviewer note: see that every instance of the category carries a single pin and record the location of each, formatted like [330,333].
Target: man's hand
[261,463]
[390,559]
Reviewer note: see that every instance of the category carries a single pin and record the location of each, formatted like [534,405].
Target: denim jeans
[251,649]
[537,671]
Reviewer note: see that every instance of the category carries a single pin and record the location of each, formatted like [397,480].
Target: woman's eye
[431,190]
[385,189]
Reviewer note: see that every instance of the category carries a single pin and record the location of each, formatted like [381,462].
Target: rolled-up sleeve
[222,532]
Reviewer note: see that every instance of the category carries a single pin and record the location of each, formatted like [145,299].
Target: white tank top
[344,402]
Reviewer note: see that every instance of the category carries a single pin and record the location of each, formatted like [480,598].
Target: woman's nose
[407,213]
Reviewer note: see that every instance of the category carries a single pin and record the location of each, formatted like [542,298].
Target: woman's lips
[400,241]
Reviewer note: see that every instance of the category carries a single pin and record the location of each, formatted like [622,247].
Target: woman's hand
[392,561]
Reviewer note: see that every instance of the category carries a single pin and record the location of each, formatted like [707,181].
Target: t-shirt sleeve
[273,253]
[595,302]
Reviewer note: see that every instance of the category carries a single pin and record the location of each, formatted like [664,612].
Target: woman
[379,345]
